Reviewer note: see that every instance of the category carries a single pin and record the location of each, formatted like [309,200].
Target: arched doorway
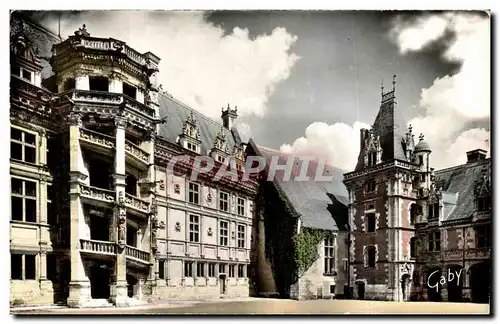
[99,281]
[360,289]
[131,282]
[433,286]
[454,282]
[480,278]
[405,286]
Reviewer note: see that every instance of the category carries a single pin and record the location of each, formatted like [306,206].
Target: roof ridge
[467,165]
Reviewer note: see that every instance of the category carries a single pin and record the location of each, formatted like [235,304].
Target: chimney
[228,116]
[476,155]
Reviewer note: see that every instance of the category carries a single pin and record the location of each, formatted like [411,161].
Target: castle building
[96,216]
[411,224]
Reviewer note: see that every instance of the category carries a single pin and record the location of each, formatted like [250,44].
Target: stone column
[119,289]
[79,286]
[466,290]
[444,289]
[82,82]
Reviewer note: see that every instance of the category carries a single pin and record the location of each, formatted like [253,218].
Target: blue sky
[306,81]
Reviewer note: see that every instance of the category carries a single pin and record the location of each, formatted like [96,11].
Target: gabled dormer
[239,156]
[372,149]
[409,143]
[25,63]
[482,191]
[220,150]
[190,137]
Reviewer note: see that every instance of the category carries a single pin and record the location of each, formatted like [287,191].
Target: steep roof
[458,185]
[177,114]
[320,204]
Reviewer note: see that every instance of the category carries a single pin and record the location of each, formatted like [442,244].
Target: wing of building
[295,211]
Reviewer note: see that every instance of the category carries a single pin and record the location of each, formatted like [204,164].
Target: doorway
[131,283]
[360,288]
[222,284]
[480,276]
[99,281]
[405,286]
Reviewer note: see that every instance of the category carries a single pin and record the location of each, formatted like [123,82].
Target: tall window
[188,269]
[222,268]
[241,206]
[329,256]
[435,241]
[420,160]
[484,203]
[415,210]
[194,228]
[370,185]
[22,146]
[16,266]
[129,90]
[231,270]
[241,236]
[433,210]
[413,247]
[200,269]
[211,270]
[161,269]
[194,193]
[482,236]
[223,201]
[370,222]
[23,200]
[223,233]
[370,256]
[372,158]
[241,272]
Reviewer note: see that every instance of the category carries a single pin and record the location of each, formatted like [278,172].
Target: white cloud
[337,143]
[199,64]
[452,101]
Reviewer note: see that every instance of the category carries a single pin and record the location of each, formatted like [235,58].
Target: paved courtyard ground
[274,306]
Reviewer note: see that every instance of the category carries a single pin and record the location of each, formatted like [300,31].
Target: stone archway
[480,282]
[455,278]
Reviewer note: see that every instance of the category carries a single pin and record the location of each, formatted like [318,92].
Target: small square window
[26,75]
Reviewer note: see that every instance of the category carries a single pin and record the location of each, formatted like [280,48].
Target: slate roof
[422,146]
[320,204]
[177,114]
[457,185]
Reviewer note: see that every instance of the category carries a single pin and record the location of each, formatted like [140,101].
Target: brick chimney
[476,155]
[228,116]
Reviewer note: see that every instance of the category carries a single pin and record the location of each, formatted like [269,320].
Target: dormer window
[372,158]
[433,211]
[420,160]
[370,186]
[484,203]
[192,147]
[221,159]
[22,73]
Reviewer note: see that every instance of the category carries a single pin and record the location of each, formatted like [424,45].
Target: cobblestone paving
[274,306]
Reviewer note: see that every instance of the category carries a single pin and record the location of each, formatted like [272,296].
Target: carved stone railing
[481,215]
[97,138]
[135,253]
[433,256]
[140,107]
[112,44]
[136,151]
[478,253]
[97,193]
[136,203]
[96,96]
[101,247]
[453,254]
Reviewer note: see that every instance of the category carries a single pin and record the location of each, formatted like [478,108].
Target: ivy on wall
[306,247]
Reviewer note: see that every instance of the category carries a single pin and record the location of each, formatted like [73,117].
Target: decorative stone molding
[209,232]
[122,228]
[177,227]
[136,203]
[75,119]
[177,188]
[121,122]
[96,138]
[136,151]
[97,193]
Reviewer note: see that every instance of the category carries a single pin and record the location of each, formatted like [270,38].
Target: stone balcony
[103,249]
[458,255]
[137,205]
[97,196]
[96,141]
[136,156]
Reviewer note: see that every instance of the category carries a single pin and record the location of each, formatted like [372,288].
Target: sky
[305,82]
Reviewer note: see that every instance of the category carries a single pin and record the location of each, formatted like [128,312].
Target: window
[194,228]
[26,75]
[200,269]
[231,270]
[422,177]
[370,222]
[223,201]
[241,236]
[415,210]
[23,200]
[129,90]
[22,146]
[433,210]
[51,216]
[15,70]
[484,203]
[420,160]
[482,236]
[241,271]
[188,269]
[211,270]
[435,241]
[241,206]
[413,247]
[16,266]
[98,83]
[161,269]
[370,257]
[329,256]
[192,147]
[194,193]
[222,268]
[372,158]
[131,185]
[221,159]
[223,233]
[370,186]
[69,84]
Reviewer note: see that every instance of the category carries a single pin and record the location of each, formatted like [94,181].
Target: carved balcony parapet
[100,247]
[97,96]
[433,256]
[481,215]
[478,253]
[136,151]
[137,106]
[453,255]
[135,253]
[97,193]
[97,138]
[136,203]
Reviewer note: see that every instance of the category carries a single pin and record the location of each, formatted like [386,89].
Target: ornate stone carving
[209,232]
[136,203]
[97,138]
[82,32]
[75,119]
[97,193]
[177,227]
[177,188]
[162,185]
[136,151]
[220,142]
[154,230]
[209,196]
[121,198]
[122,227]
[482,186]
[120,122]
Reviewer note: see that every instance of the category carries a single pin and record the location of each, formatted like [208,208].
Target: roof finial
[382,86]
[421,137]
[410,128]
[394,82]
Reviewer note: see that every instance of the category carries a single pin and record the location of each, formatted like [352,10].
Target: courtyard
[275,307]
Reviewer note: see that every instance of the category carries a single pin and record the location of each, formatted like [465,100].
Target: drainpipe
[347,227]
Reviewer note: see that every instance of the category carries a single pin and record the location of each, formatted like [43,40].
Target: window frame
[211,270]
[223,201]
[232,271]
[371,186]
[241,271]
[371,250]
[482,237]
[371,219]
[194,193]
[240,209]
[329,256]
[241,236]
[413,247]
[200,269]
[194,228]
[24,271]
[434,239]
[24,197]
[223,233]
[24,145]
[188,269]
